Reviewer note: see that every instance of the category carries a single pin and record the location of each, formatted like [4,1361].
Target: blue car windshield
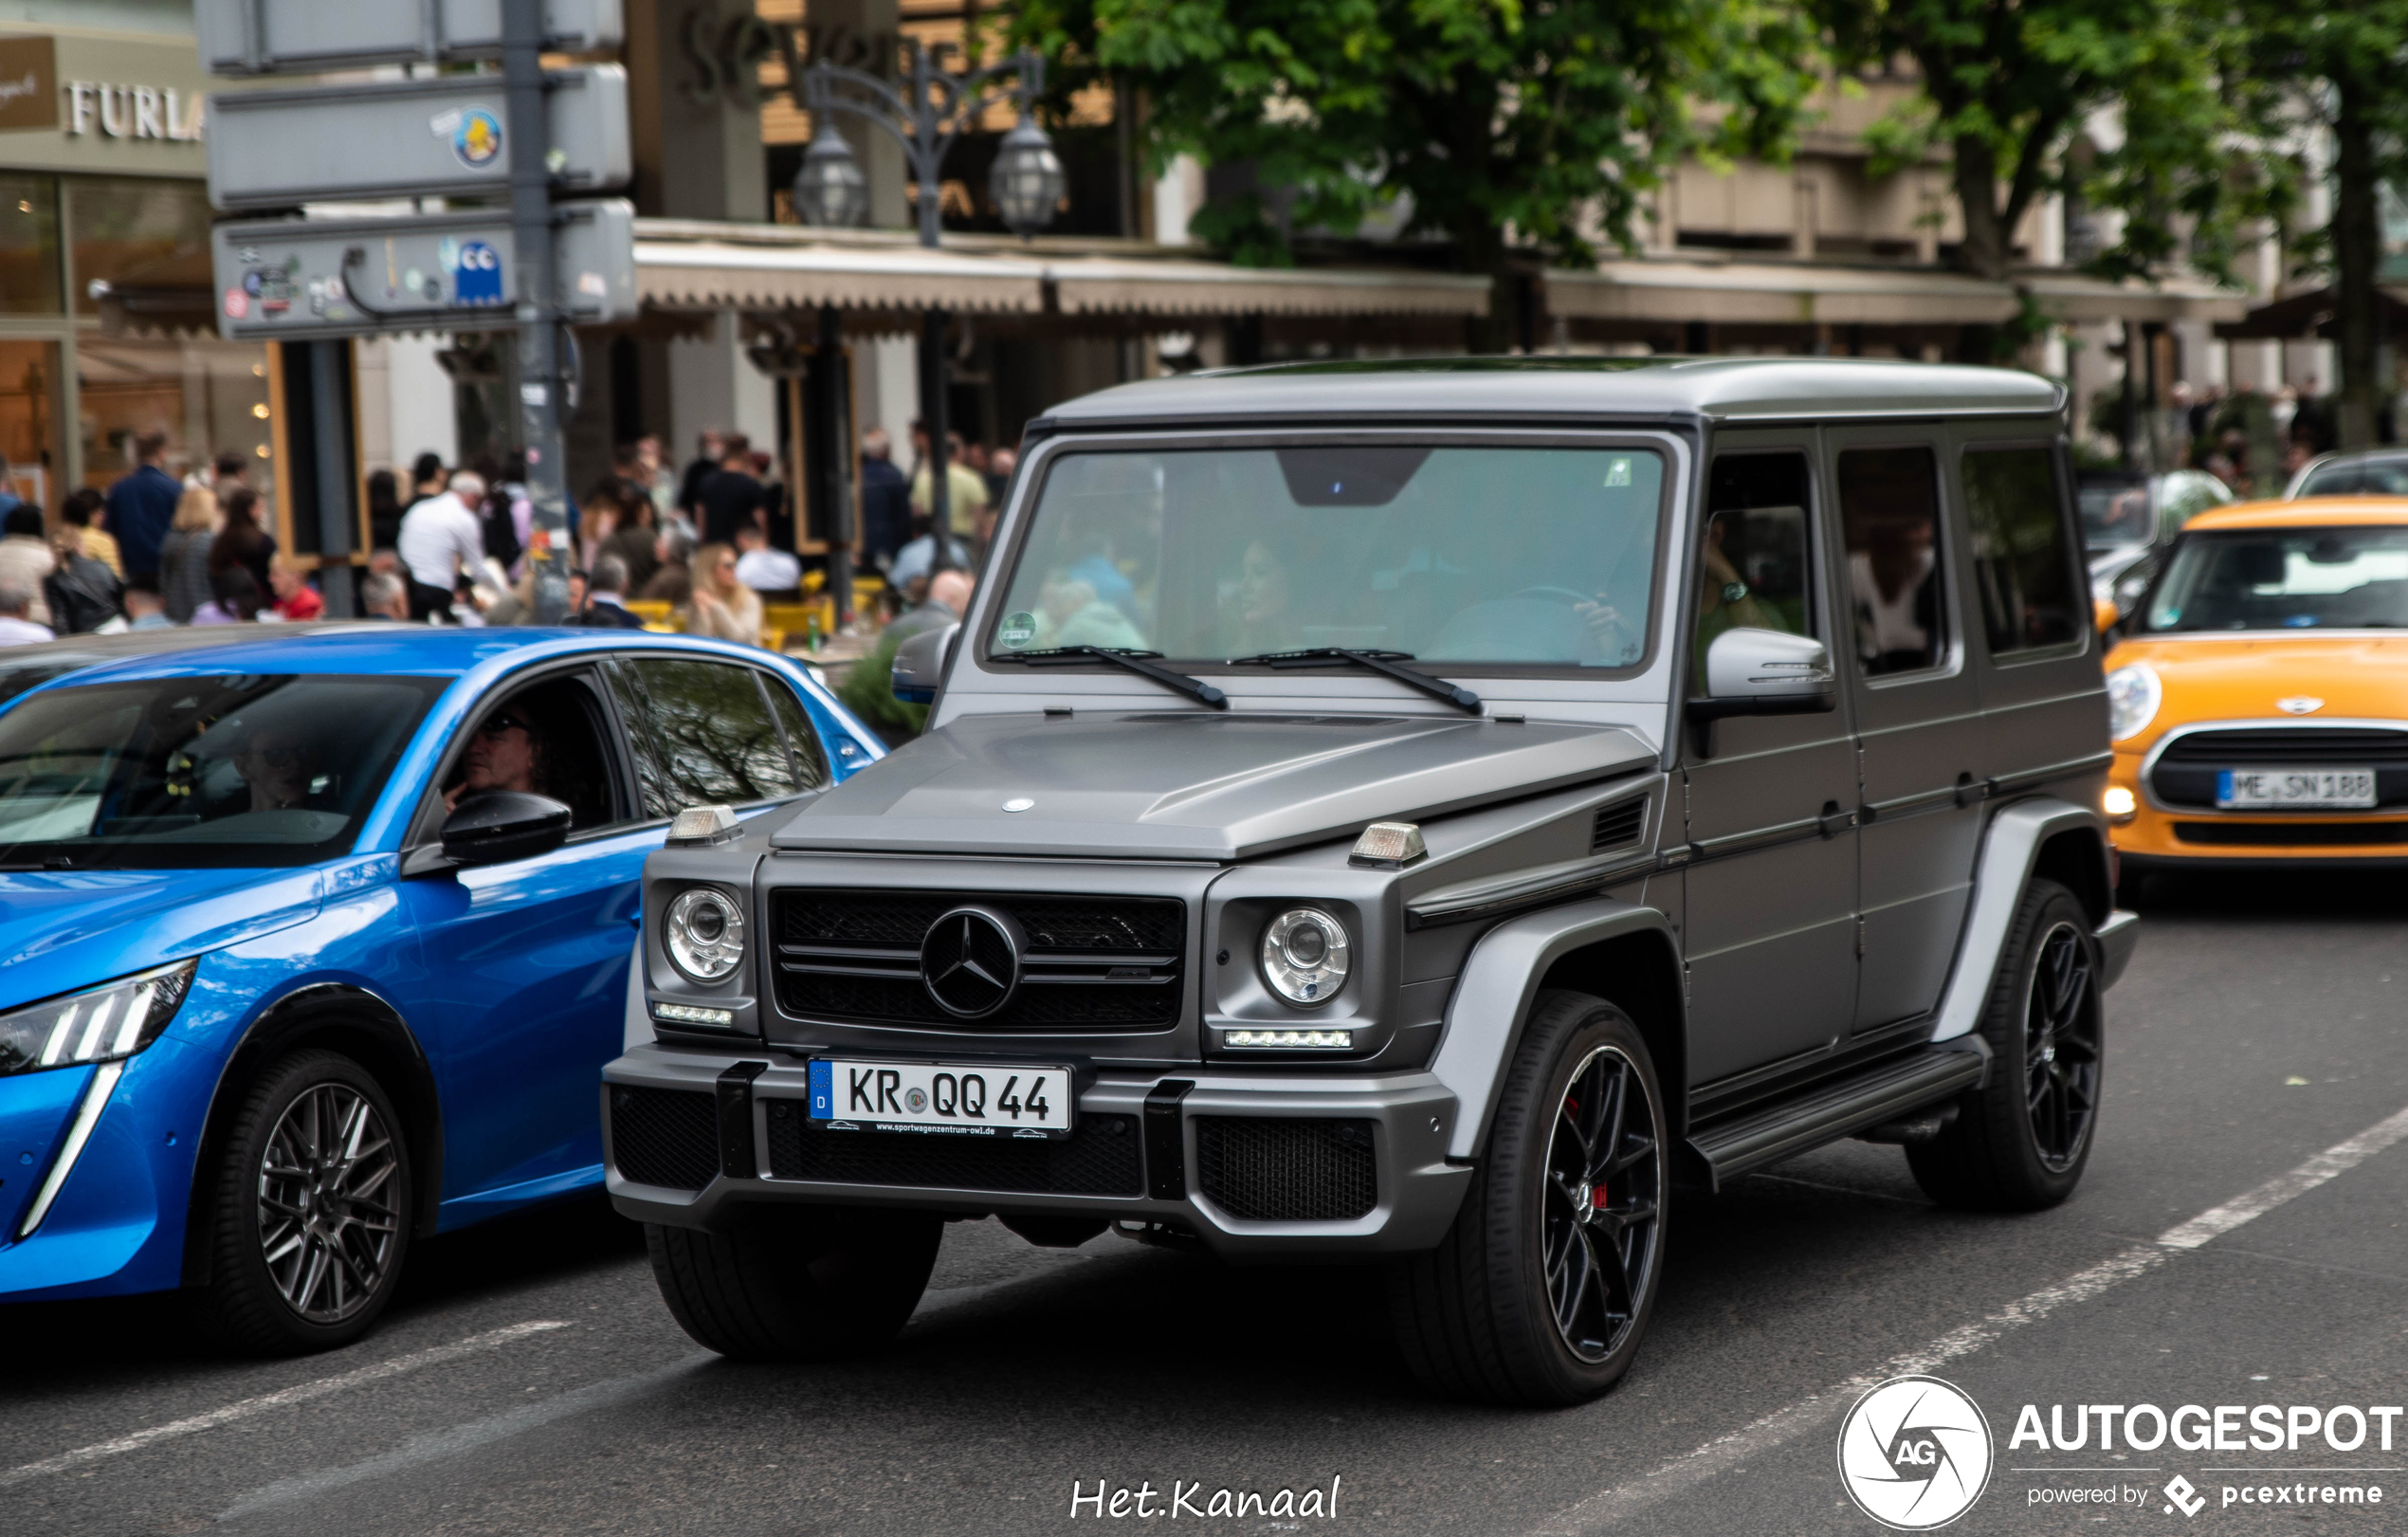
[2348,577]
[195,773]
[1503,557]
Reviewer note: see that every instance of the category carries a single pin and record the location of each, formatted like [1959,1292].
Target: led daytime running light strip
[686,1014]
[1323,1039]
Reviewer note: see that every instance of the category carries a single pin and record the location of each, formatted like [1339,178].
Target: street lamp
[926,112]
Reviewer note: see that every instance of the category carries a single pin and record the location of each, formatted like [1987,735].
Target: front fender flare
[1492,999]
[2010,848]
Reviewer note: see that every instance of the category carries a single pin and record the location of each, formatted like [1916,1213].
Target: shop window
[29,419]
[29,278]
[208,396]
[138,234]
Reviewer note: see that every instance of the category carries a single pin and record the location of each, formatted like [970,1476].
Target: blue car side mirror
[495,825]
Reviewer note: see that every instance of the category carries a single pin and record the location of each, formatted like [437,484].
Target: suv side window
[1753,569]
[2022,551]
[709,733]
[1890,511]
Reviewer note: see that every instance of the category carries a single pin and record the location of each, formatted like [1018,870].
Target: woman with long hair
[240,539]
[184,583]
[722,605]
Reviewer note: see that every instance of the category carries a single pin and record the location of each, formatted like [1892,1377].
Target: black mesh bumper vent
[1288,1171]
[1617,825]
[1092,963]
[1098,1158]
[665,1136]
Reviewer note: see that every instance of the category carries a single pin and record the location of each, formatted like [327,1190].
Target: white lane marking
[301,1393]
[468,1438]
[1782,1425]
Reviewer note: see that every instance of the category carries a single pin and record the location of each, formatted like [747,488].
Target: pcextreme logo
[1915,1452]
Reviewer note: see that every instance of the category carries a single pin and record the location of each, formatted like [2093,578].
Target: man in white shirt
[441,538]
[15,629]
[762,569]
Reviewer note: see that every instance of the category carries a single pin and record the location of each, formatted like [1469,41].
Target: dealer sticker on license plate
[2351,788]
[940,1099]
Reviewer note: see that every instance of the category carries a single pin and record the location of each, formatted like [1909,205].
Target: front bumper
[1145,1158]
[2164,839]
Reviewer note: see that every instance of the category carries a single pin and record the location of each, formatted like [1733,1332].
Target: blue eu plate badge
[822,1090]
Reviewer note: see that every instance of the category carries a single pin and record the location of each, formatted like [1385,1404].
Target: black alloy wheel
[2061,1047]
[328,1230]
[1602,1196]
[2019,1141]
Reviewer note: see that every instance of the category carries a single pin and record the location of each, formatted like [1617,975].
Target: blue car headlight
[107,1023]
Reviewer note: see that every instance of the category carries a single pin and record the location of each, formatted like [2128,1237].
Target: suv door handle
[1834,819]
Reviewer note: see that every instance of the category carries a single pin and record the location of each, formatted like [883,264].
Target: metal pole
[932,414]
[539,358]
[835,406]
[330,445]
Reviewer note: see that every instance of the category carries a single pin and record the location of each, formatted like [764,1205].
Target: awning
[1776,293]
[2301,316]
[721,274]
[1170,287]
[2070,296]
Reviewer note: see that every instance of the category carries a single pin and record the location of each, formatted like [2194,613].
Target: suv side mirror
[495,825]
[1766,672]
[920,664]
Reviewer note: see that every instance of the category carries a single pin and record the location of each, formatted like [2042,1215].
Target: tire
[2019,1144]
[1541,1291]
[797,1283]
[310,1210]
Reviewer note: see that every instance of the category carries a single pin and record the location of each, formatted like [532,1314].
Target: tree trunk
[1983,253]
[1493,333]
[2357,255]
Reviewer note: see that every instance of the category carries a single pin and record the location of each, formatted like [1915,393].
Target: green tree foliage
[2007,87]
[2342,69]
[1505,122]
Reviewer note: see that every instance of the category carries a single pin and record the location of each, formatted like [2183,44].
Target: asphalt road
[529,1379]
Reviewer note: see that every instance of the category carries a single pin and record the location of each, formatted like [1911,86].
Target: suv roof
[1718,389]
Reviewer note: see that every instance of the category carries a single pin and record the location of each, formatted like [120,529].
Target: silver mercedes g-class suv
[1427,813]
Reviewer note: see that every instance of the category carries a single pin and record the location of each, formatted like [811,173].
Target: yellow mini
[2259,702]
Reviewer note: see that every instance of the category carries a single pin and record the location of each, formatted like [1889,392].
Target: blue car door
[525,961]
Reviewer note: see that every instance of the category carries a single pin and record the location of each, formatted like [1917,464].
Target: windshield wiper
[1380,661]
[1141,662]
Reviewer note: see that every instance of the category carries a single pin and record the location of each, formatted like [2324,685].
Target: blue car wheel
[310,1219]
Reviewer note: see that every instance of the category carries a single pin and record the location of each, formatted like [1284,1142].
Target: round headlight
[705,934]
[1305,956]
[2133,695]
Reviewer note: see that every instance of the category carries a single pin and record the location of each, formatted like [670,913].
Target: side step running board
[1830,1111]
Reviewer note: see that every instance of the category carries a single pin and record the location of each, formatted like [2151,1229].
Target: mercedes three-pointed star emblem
[969,961]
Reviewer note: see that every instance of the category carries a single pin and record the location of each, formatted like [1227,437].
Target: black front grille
[1098,1159]
[2185,772]
[1288,1171]
[1617,825]
[665,1136]
[2292,834]
[1092,963]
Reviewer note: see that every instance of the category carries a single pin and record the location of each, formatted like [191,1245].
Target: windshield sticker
[1017,630]
[1618,472]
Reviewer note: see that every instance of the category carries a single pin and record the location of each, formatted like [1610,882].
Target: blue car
[311,944]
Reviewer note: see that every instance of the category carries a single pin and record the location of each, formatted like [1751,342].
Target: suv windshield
[1504,555]
[193,773]
[2292,579]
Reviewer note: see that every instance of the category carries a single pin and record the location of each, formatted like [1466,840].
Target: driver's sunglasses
[493,725]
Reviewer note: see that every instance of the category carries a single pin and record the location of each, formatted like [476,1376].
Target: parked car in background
[311,944]
[2259,712]
[2364,472]
[2130,519]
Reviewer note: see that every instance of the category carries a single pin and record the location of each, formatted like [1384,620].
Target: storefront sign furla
[131,111]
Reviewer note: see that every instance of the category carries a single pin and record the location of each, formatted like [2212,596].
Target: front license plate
[944,1099]
[2296,789]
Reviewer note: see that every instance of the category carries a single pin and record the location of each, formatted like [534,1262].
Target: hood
[1191,785]
[2213,678]
[60,930]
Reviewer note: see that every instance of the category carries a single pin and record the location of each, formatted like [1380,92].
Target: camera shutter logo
[1915,1452]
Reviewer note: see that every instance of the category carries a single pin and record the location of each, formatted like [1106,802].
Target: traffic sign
[300,278]
[287,37]
[442,137]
